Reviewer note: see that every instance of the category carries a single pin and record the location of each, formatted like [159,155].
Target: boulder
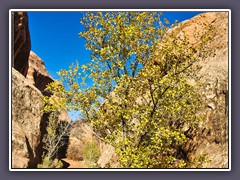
[108,157]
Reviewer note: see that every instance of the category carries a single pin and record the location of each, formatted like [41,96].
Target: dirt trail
[68,163]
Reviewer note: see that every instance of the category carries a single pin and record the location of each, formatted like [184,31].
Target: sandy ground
[68,163]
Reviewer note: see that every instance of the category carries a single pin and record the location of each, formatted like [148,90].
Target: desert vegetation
[139,92]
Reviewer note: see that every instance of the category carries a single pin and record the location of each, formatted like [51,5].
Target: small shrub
[199,161]
[48,163]
[91,153]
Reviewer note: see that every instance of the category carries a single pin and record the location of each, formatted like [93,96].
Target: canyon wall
[29,80]
[212,135]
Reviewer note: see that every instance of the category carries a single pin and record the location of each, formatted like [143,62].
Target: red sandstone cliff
[21,42]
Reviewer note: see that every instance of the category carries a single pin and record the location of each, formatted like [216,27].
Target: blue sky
[54,37]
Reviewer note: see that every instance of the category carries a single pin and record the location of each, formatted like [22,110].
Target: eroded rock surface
[27,117]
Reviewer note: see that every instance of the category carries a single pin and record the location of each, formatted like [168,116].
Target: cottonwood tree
[140,94]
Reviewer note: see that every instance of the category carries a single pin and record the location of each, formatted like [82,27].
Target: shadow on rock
[65,164]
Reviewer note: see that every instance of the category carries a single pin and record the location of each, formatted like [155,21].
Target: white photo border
[120,169]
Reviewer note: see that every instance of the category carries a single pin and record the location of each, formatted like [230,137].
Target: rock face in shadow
[26,122]
[22,43]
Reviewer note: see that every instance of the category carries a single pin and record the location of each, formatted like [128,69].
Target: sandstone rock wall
[21,41]
[212,134]
[26,122]
[81,133]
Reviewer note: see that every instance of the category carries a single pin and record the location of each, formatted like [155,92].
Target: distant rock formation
[81,133]
[21,41]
